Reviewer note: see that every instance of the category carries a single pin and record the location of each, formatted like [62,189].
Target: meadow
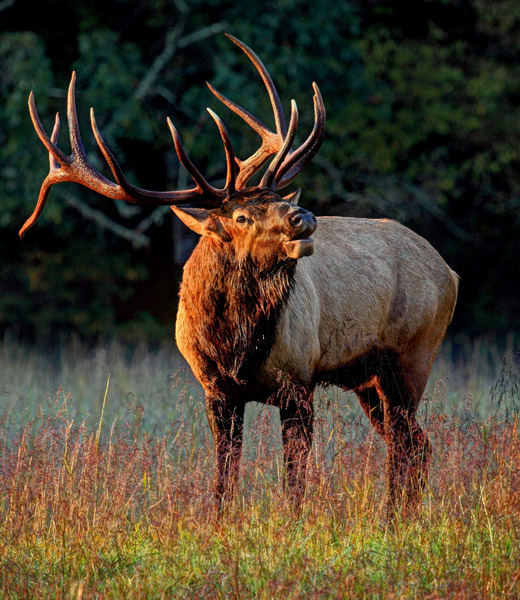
[106,465]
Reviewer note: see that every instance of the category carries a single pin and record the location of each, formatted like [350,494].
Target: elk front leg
[226,419]
[297,417]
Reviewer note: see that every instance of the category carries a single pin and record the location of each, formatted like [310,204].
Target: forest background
[423,103]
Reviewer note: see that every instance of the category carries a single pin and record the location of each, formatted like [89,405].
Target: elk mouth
[302,224]
[299,247]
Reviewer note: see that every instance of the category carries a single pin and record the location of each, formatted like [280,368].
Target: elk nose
[301,221]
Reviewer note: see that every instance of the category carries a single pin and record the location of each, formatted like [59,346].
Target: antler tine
[285,166]
[54,166]
[255,124]
[276,103]
[111,160]
[53,163]
[48,143]
[269,178]
[40,205]
[72,117]
[56,156]
[301,157]
[230,153]
[139,194]
[271,141]
[186,162]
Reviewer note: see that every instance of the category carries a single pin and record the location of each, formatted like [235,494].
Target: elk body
[274,302]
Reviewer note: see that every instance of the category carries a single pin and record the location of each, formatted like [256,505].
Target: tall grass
[105,491]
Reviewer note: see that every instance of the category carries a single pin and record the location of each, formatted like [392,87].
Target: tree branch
[154,218]
[5,4]
[138,239]
[201,34]
[170,46]
[172,42]
[393,183]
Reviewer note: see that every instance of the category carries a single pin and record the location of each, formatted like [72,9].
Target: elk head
[260,225]
[254,221]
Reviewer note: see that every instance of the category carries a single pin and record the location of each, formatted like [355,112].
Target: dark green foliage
[423,123]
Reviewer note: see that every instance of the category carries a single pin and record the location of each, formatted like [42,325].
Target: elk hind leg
[390,402]
[408,446]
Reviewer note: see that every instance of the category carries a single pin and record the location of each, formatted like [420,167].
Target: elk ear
[293,198]
[200,220]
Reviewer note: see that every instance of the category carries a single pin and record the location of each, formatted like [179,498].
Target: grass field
[105,477]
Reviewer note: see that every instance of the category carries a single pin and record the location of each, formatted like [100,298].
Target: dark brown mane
[236,307]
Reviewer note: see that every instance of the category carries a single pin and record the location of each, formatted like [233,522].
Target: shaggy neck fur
[233,309]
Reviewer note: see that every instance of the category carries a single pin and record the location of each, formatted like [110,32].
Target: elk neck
[232,309]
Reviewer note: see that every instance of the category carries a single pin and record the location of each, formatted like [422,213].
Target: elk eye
[241,219]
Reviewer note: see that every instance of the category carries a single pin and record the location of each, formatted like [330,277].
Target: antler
[77,167]
[284,167]
[272,143]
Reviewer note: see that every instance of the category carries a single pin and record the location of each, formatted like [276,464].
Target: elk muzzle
[300,225]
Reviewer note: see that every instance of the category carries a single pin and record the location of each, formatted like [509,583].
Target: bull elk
[267,312]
